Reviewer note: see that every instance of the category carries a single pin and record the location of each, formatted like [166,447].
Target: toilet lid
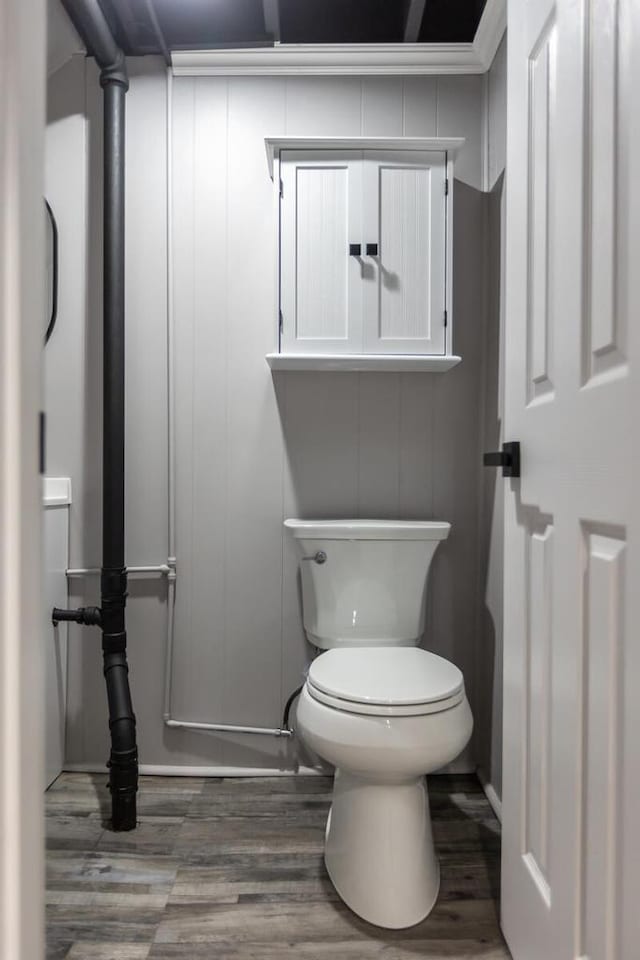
[385,676]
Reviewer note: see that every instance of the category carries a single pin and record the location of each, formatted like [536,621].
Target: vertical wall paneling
[420,106]
[252,447]
[254,452]
[382,107]
[497,114]
[460,107]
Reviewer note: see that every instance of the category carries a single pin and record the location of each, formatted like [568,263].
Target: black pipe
[288,705]
[88,616]
[90,23]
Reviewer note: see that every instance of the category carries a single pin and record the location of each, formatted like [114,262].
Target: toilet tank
[364,581]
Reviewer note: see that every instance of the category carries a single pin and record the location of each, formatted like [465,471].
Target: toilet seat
[385,681]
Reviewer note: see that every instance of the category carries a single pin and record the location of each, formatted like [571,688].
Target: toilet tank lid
[368,529]
[385,675]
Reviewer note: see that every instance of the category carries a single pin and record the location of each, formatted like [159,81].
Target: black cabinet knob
[508,458]
[372,249]
[355,250]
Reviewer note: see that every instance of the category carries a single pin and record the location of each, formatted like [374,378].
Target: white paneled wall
[256,448]
[252,447]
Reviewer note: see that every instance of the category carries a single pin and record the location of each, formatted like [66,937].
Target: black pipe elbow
[88,616]
[115,72]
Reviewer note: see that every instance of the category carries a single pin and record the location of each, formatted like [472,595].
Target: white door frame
[22,119]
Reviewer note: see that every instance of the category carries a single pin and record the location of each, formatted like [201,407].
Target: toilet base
[379,849]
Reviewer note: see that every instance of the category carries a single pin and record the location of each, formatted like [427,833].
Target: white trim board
[358,59]
[490,793]
[362,362]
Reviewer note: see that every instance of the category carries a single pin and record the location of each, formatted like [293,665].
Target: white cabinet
[364,250]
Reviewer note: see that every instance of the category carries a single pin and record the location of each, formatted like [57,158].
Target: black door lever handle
[508,458]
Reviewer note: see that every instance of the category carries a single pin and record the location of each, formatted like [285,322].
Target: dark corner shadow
[489,657]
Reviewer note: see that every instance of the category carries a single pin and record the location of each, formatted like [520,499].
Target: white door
[22,325]
[320,279]
[404,223]
[571,792]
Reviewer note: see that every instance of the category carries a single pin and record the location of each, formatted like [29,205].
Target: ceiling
[157,26]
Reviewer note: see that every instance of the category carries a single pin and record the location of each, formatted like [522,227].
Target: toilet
[380,709]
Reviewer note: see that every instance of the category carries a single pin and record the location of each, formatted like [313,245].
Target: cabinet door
[404,209]
[320,282]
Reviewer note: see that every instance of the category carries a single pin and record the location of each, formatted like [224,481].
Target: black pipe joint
[115,72]
[88,616]
[113,582]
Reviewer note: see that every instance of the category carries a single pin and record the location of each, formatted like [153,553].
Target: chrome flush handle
[319,557]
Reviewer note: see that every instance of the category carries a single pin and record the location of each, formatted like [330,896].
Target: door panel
[404,213]
[539,584]
[321,214]
[603,591]
[541,146]
[572,537]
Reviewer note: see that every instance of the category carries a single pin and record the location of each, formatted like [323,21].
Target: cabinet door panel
[404,291]
[321,287]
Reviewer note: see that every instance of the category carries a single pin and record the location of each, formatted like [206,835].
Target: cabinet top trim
[273,145]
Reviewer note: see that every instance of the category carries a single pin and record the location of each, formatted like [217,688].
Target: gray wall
[252,448]
[488,741]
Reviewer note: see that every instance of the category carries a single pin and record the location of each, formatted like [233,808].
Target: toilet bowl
[379,850]
[381,710]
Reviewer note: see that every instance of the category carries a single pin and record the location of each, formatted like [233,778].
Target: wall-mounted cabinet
[364,253]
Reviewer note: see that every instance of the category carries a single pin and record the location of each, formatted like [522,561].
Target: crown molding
[491,28]
[326,59]
[358,59]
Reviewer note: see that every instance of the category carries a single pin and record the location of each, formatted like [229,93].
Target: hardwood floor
[233,869]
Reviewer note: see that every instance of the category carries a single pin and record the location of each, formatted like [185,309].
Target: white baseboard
[491,795]
[168,770]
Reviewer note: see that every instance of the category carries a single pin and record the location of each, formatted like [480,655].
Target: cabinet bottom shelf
[360,362]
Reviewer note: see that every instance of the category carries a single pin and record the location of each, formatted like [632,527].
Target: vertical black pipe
[123,760]
[89,21]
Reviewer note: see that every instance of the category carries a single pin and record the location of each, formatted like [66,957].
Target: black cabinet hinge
[280,320]
[446,187]
[446,318]
[281,189]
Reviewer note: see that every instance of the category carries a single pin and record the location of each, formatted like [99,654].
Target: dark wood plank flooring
[233,869]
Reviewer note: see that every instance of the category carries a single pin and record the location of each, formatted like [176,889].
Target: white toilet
[381,710]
